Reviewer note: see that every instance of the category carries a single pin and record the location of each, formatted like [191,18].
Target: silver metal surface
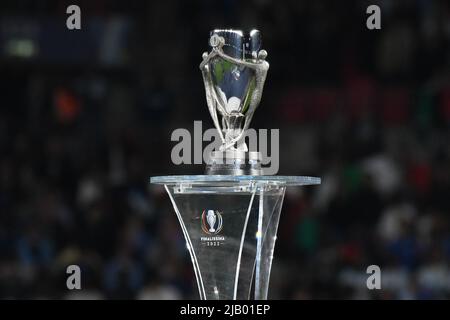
[234,162]
[234,73]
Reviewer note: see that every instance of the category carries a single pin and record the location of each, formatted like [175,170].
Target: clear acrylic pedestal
[230,225]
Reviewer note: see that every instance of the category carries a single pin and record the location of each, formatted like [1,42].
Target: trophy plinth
[229,217]
[234,162]
[234,260]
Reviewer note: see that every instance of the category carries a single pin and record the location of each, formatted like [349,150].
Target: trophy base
[234,163]
[230,227]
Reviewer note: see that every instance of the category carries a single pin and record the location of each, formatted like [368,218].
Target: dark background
[86,118]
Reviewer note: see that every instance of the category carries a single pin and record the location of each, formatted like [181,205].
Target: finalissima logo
[211,222]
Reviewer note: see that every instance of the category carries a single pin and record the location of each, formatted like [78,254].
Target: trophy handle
[211,101]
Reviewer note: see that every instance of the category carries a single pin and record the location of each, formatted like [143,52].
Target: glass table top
[230,180]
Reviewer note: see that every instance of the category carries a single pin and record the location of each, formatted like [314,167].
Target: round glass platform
[232,180]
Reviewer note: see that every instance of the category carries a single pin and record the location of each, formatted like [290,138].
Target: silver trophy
[211,218]
[234,73]
[229,216]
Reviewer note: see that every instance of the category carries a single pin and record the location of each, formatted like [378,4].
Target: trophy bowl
[234,73]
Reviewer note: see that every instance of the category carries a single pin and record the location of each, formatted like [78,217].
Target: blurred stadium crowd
[86,118]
